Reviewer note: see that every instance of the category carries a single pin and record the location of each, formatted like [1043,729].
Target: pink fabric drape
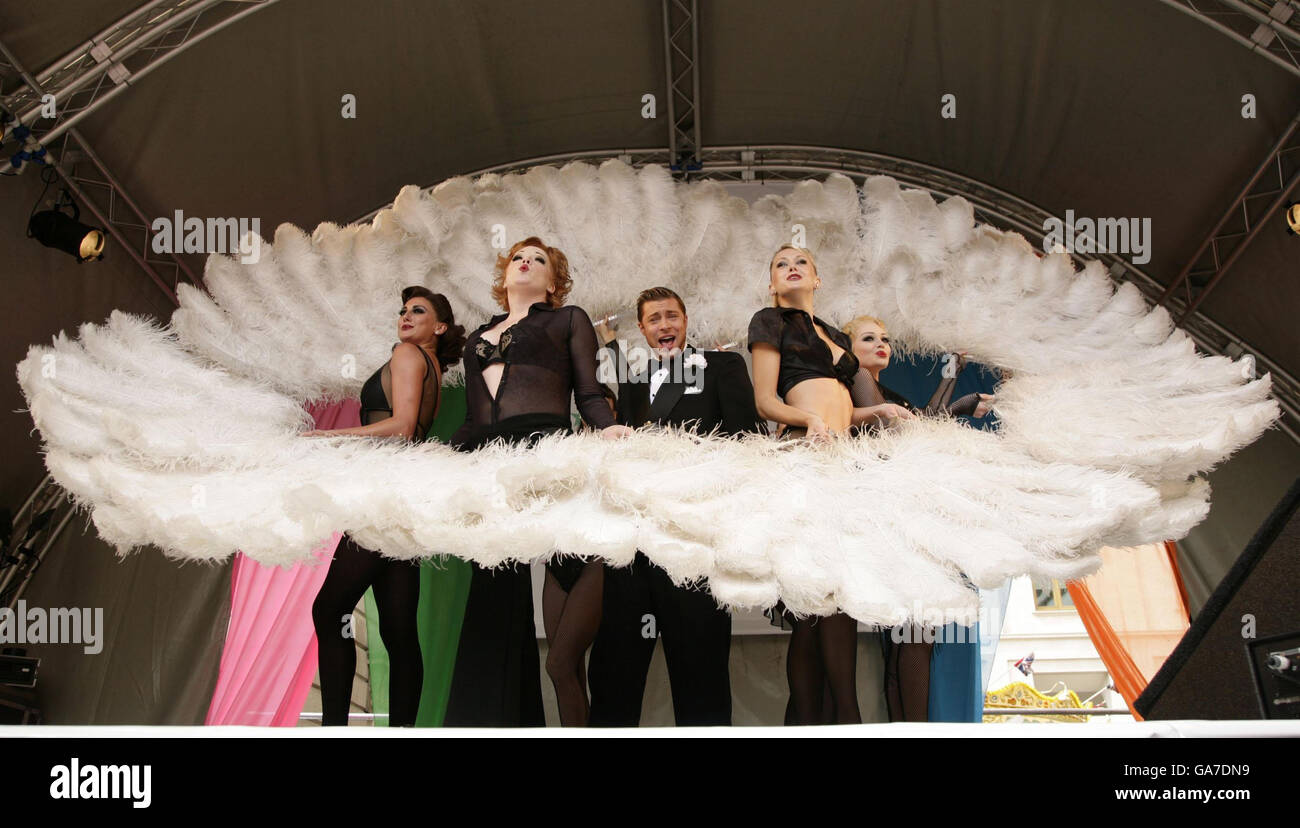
[269,658]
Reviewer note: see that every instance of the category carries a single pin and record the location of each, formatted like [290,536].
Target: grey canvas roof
[1107,108]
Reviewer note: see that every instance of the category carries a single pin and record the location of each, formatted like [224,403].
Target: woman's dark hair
[451,343]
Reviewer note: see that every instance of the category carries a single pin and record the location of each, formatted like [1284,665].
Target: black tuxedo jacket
[725,403]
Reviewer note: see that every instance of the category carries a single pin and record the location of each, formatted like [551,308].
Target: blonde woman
[872,346]
[803,372]
[907,657]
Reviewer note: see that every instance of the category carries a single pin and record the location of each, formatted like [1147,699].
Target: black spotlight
[1293,218]
[55,228]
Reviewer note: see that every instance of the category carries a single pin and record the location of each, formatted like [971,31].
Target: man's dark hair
[654,294]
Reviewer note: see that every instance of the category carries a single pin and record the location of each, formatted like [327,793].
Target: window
[1051,595]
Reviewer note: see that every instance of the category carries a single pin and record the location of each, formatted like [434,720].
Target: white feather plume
[185,436]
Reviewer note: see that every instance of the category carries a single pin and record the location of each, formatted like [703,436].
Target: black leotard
[396,585]
[377,396]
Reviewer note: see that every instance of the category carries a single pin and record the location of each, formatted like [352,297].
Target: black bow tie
[669,363]
[675,359]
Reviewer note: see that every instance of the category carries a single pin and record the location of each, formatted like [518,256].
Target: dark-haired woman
[522,368]
[400,401]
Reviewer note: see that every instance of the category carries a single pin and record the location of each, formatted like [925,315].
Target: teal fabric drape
[956,683]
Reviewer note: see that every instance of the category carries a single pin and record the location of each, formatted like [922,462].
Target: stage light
[54,228]
[1293,218]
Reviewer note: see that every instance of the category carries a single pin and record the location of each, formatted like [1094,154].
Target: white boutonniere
[693,373]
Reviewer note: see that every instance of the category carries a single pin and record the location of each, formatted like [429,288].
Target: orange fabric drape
[1135,611]
[1171,549]
[1128,679]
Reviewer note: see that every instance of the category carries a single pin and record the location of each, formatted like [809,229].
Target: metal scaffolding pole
[65,163]
[682,65]
[123,53]
[1233,240]
[1268,29]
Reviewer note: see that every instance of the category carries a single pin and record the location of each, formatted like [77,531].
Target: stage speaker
[16,669]
[1240,659]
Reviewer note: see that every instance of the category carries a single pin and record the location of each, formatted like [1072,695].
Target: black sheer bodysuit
[396,585]
[549,359]
[907,660]
[377,393]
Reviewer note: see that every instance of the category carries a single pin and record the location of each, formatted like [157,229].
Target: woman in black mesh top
[521,369]
[399,400]
[907,657]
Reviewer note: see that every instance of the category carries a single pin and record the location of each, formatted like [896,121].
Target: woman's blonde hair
[802,250]
[856,325]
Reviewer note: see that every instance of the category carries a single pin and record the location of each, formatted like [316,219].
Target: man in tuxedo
[706,391]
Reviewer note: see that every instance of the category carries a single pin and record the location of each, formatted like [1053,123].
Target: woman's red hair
[559,266]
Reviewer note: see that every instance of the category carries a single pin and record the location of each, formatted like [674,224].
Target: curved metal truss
[993,206]
[1270,28]
[106,64]
[27,537]
[103,66]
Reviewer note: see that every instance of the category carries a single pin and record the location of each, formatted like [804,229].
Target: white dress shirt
[657,380]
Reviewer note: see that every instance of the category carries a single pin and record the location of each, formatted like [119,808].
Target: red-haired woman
[521,369]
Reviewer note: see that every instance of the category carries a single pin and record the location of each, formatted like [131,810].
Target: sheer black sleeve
[939,401]
[965,406]
[587,393]
[864,392]
[765,327]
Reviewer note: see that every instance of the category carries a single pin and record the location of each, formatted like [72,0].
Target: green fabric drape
[444,587]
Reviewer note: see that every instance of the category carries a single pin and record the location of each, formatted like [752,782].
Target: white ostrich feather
[185,436]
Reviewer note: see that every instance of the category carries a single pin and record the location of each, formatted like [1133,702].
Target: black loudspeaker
[1240,659]
[16,669]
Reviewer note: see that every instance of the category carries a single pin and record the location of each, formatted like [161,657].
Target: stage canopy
[1113,108]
